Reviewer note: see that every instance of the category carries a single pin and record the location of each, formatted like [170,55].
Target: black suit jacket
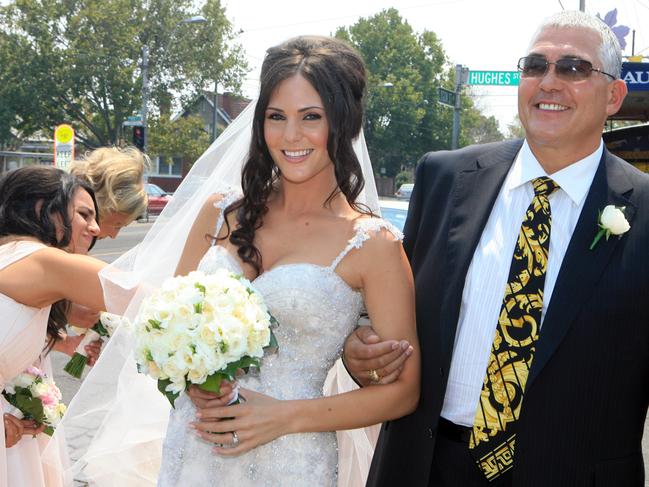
[587,394]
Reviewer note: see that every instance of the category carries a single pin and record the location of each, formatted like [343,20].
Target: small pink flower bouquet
[35,396]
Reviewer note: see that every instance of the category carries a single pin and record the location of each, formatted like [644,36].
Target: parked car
[157,199]
[394,211]
[404,191]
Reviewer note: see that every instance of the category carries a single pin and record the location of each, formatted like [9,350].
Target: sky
[479,34]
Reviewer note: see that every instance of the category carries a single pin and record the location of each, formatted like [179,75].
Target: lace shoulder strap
[228,198]
[364,228]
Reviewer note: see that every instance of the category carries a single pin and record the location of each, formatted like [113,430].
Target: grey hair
[610,54]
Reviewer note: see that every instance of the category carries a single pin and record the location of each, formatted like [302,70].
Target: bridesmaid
[117,177]
[45,216]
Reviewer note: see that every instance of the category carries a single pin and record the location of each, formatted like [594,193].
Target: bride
[300,233]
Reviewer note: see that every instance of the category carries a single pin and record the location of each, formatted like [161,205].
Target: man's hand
[365,355]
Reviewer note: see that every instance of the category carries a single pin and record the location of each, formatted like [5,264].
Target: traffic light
[138,137]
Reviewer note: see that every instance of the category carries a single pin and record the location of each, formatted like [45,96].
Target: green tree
[515,129]
[477,128]
[184,137]
[80,61]
[403,119]
[405,69]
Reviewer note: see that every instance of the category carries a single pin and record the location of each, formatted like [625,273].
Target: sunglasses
[568,69]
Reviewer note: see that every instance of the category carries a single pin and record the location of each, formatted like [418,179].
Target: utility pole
[582,5]
[214,112]
[145,93]
[461,74]
[196,19]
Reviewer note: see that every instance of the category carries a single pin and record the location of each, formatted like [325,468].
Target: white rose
[177,386]
[40,389]
[23,380]
[171,370]
[614,221]
[111,321]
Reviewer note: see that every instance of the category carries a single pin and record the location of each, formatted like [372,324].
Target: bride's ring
[373,375]
[235,439]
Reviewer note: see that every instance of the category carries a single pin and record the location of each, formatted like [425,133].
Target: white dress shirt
[484,287]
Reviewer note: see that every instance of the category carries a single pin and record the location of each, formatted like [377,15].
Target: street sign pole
[145,92]
[461,74]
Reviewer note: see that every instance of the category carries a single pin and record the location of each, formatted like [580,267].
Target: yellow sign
[63,134]
[63,146]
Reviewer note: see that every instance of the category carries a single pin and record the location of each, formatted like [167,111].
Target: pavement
[108,250]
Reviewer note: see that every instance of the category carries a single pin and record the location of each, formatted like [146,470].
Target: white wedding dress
[316,310]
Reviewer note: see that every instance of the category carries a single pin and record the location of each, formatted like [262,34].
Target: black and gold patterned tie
[512,351]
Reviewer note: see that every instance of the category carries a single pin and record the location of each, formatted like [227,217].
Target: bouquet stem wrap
[104,328]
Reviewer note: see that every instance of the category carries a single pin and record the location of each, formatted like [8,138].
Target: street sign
[636,76]
[132,123]
[134,118]
[446,97]
[63,146]
[494,78]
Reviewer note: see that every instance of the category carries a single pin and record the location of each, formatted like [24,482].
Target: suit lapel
[474,195]
[582,268]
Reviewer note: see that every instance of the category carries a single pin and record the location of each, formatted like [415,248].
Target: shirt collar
[574,180]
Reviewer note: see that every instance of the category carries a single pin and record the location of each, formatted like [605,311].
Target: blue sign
[636,76]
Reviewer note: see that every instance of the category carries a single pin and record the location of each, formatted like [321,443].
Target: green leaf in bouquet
[246,362]
[198,308]
[49,431]
[213,383]
[30,406]
[171,396]
[273,344]
[273,321]
[100,329]
[200,288]
[155,324]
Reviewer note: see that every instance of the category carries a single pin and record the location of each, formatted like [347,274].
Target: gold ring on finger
[373,375]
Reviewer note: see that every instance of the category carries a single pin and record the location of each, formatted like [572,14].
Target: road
[108,250]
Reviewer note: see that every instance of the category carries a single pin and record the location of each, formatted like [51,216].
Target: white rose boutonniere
[611,221]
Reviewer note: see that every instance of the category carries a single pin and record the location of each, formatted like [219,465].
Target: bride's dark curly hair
[337,73]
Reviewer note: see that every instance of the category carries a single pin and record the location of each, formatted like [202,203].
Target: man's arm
[364,351]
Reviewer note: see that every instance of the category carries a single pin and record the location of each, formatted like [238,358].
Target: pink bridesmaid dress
[22,338]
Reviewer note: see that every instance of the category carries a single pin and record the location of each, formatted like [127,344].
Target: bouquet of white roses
[105,327]
[201,329]
[34,396]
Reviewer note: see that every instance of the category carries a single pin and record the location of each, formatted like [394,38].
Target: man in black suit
[564,400]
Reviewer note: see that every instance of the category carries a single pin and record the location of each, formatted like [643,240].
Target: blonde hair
[117,176]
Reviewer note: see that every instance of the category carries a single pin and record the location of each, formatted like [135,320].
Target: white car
[404,191]
[395,211]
